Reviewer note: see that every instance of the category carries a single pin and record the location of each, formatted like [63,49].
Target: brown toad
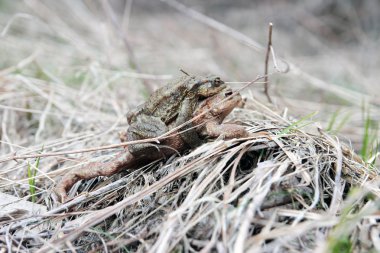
[207,118]
[174,102]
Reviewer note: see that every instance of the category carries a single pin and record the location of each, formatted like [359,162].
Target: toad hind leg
[91,170]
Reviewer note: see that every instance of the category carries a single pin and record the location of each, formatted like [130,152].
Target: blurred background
[84,64]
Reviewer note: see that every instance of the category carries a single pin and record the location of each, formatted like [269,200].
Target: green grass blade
[332,121]
[365,139]
[297,123]
[32,172]
[32,182]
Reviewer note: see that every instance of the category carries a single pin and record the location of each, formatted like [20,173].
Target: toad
[173,105]
[207,119]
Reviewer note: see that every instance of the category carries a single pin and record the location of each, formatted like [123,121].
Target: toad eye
[217,82]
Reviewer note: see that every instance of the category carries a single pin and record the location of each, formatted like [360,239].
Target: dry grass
[67,82]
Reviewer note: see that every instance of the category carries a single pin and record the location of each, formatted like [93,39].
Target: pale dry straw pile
[66,86]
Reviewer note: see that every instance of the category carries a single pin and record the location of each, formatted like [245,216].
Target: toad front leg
[212,111]
[188,132]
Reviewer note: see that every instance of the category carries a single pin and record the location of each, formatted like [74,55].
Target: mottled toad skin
[207,117]
[172,104]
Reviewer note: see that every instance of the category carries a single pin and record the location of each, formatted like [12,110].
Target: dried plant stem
[266,80]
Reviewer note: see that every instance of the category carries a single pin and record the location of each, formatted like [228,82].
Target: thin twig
[266,79]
